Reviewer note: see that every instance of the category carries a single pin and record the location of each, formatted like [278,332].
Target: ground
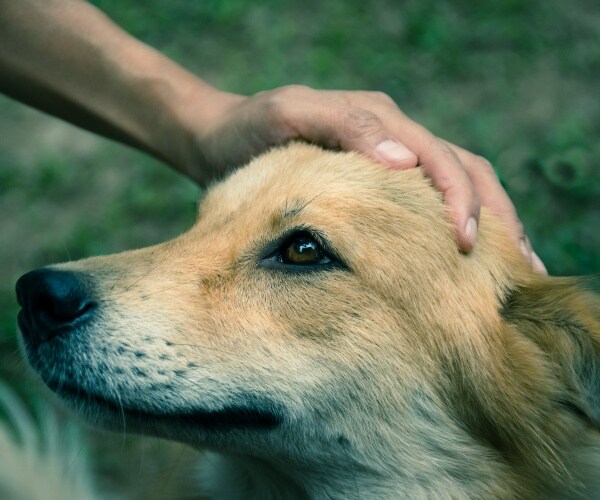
[513,80]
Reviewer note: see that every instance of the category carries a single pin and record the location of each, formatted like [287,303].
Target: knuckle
[343,99]
[437,144]
[485,166]
[442,147]
[381,97]
[292,91]
[273,108]
[360,122]
[277,103]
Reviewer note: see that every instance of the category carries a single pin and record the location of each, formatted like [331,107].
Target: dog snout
[52,302]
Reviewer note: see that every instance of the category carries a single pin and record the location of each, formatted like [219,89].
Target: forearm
[67,58]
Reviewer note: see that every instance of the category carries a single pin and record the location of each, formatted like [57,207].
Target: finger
[391,152]
[493,196]
[490,191]
[537,263]
[531,256]
[448,175]
[385,146]
[441,165]
[343,120]
[324,119]
[356,129]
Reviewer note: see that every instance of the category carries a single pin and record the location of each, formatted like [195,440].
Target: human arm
[67,58]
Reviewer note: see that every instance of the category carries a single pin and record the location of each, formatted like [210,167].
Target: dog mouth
[259,414]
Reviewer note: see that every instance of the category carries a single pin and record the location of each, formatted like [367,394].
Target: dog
[319,335]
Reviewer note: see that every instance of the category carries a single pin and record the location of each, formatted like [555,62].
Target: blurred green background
[516,81]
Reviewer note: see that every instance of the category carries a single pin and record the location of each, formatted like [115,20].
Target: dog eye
[302,249]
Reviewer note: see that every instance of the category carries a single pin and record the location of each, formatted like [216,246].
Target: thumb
[361,130]
[394,153]
[351,129]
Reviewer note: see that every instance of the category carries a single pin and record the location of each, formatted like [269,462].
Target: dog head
[319,311]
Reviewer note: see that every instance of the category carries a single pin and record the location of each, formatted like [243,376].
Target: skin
[125,90]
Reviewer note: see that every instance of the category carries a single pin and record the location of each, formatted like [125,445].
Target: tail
[39,461]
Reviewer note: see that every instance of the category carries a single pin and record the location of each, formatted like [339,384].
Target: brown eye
[302,250]
[299,252]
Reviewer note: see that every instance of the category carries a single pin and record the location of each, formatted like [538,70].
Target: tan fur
[418,372]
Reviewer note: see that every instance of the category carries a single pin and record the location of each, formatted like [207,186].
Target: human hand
[367,122]
[148,101]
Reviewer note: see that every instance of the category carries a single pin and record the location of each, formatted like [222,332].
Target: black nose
[52,302]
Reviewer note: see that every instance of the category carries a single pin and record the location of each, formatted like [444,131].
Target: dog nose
[52,302]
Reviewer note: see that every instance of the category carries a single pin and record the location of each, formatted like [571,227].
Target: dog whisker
[144,275]
[147,295]
[199,346]
[116,396]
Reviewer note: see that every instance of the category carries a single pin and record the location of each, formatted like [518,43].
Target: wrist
[193,116]
[161,107]
[153,92]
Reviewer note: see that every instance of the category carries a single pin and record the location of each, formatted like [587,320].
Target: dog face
[319,312]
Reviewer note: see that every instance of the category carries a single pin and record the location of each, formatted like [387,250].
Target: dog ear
[562,318]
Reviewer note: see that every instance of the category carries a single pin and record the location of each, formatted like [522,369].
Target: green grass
[513,80]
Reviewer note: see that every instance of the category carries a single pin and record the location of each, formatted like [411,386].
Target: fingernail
[471,230]
[393,152]
[537,264]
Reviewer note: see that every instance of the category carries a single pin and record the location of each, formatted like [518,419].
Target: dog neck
[450,465]
[238,477]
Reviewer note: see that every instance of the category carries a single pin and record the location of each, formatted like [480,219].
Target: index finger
[443,166]
[449,176]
